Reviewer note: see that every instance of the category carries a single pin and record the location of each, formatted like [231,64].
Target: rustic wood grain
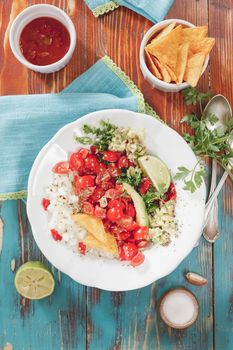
[76,317]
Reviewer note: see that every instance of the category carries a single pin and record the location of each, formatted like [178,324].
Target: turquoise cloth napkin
[154,10]
[27,122]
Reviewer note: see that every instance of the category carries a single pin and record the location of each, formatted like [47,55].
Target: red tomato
[76,162]
[129,250]
[119,188]
[112,193]
[142,244]
[127,222]
[93,149]
[83,153]
[138,259]
[113,170]
[171,193]
[116,203]
[83,182]
[107,225]
[92,163]
[88,208]
[123,162]
[145,185]
[131,163]
[107,185]
[103,177]
[56,235]
[45,203]
[82,248]
[61,168]
[97,194]
[114,214]
[102,167]
[141,233]
[100,212]
[111,156]
[130,210]
[122,235]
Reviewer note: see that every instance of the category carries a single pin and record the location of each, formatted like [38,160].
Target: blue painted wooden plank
[223,272]
[57,322]
[130,320]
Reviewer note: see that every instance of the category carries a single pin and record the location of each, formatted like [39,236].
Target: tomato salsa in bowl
[43,38]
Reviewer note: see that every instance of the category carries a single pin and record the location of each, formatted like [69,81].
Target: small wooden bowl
[173,324]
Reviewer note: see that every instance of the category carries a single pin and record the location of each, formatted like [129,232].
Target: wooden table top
[77,317]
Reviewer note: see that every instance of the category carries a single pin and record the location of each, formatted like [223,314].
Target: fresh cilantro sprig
[208,139]
[192,96]
[151,199]
[101,137]
[193,178]
[132,176]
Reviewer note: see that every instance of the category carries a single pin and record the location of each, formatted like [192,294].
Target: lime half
[33,280]
[157,172]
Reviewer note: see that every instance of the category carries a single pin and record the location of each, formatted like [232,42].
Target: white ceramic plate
[112,274]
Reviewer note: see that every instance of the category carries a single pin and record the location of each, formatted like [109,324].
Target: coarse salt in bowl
[155,82]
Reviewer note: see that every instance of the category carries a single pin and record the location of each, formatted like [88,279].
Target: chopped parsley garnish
[102,136]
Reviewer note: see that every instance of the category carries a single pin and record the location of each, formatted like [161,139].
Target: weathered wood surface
[76,317]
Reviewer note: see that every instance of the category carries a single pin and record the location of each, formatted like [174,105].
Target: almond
[196,279]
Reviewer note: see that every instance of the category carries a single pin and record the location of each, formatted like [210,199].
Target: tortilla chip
[194,34]
[164,32]
[166,48]
[181,62]
[92,224]
[110,246]
[205,45]
[171,73]
[194,68]
[162,69]
[151,65]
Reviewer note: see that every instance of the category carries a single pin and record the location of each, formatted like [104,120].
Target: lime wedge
[33,280]
[157,172]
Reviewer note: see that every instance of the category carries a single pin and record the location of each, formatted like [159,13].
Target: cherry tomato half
[82,248]
[141,233]
[112,193]
[111,156]
[56,235]
[113,170]
[83,182]
[102,167]
[129,250]
[131,210]
[145,185]
[88,208]
[171,193]
[102,177]
[138,259]
[92,163]
[116,203]
[123,162]
[76,161]
[114,214]
[97,194]
[45,203]
[100,212]
[127,222]
[61,168]
[83,153]
[142,244]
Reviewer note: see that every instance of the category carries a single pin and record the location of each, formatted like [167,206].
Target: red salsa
[44,41]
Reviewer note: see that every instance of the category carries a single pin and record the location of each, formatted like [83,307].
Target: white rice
[63,204]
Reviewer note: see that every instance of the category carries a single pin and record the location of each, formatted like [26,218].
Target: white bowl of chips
[174,54]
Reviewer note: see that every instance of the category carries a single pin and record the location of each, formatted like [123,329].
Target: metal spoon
[219,106]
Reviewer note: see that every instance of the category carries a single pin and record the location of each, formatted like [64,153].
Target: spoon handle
[212,199]
[210,230]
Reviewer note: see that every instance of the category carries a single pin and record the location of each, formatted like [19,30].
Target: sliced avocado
[141,213]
